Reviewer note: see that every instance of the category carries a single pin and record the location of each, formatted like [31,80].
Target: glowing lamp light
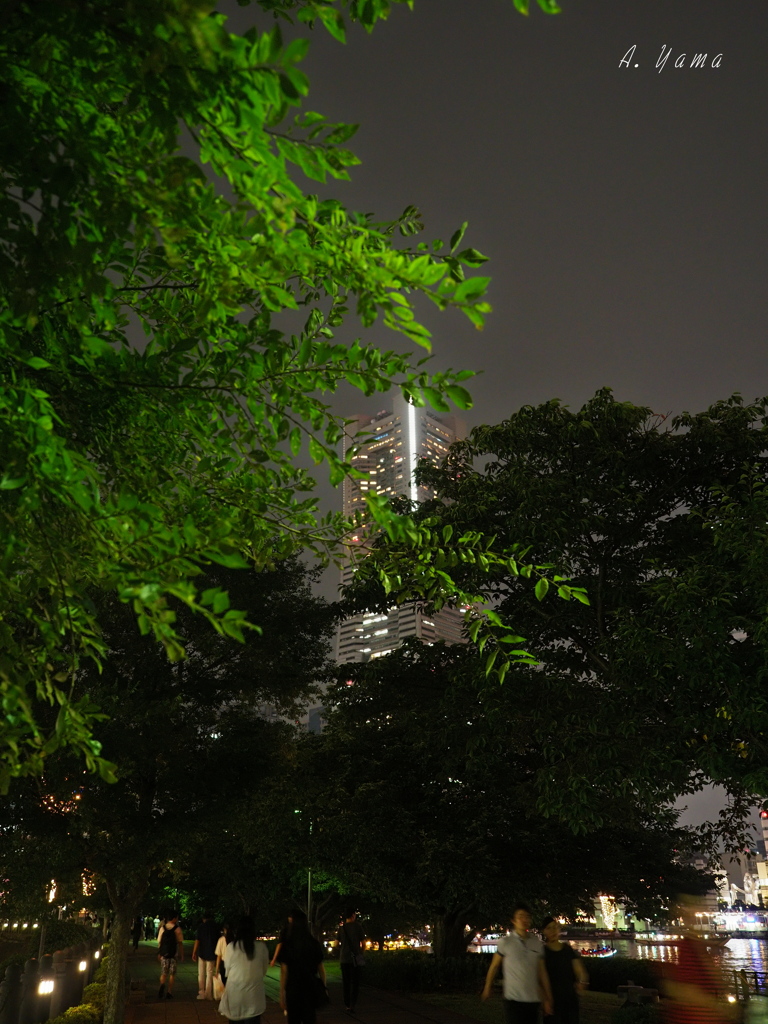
[45,987]
[25,925]
[83,965]
[97,954]
[731,999]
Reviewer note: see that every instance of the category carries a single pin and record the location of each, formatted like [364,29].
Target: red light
[764,814]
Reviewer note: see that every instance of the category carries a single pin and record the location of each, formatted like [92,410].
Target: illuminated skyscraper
[396,439]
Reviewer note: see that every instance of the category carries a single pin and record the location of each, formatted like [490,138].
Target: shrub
[607,975]
[59,935]
[95,994]
[409,970]
[100,976]
[15,958]
[645,1014]
[83,1014]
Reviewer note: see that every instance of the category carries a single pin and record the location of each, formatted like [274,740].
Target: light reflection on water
[751,954]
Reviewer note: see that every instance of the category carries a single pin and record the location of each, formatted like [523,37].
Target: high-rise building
[395,439]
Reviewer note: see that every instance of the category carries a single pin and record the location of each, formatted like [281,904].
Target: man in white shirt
[526,985]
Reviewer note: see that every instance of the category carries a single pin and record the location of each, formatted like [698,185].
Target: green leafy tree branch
[152,405]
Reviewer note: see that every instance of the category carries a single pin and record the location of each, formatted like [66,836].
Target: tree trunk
[449,937]
[125,905]
[114,1005]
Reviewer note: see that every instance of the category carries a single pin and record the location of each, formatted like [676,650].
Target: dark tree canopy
[432,805]
[195,749]
[657,685]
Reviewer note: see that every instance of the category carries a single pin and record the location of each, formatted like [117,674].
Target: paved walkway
[375,1006]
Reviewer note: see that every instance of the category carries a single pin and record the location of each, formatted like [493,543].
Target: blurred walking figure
[351,939]
[246,961]
[695,986]
[526,984]
[170,944]
[566,973]
[137,926]
[204,953]
[301,962]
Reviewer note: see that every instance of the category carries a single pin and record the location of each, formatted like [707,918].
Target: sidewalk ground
[375,1006]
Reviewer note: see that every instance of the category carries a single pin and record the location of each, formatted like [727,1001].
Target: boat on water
[711,941]
[600,952]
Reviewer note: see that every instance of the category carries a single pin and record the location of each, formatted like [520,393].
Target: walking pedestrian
[246,961]
[351,938]
[284,933]
[566,973]
[204,954]
[526,985]
[136,929]
[225,939]
[694,986]
[301,962]
[170,944]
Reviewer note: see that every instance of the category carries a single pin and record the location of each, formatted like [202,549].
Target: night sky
[623,208]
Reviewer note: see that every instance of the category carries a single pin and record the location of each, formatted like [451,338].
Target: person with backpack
[170,949]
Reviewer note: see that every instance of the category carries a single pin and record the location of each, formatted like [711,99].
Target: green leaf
[471,257]
[11,483]
[316,451]
[541,589]
[333,21]
[459,396]
[471,288]
[457,236]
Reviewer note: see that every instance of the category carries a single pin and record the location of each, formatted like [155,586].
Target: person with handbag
[220,971]
[351,958]
[246,961]
[302,974]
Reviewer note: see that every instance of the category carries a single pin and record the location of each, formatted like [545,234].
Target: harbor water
[739,954]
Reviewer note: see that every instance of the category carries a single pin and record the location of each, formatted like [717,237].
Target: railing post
[29,997]
[10,995]
[59,996]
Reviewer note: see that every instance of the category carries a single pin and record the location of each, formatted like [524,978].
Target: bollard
[28,999]
[94,958]
[80,962]
[60,995]
[45,983]
[10,995]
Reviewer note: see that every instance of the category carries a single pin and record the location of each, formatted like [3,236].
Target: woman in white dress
[246,962]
